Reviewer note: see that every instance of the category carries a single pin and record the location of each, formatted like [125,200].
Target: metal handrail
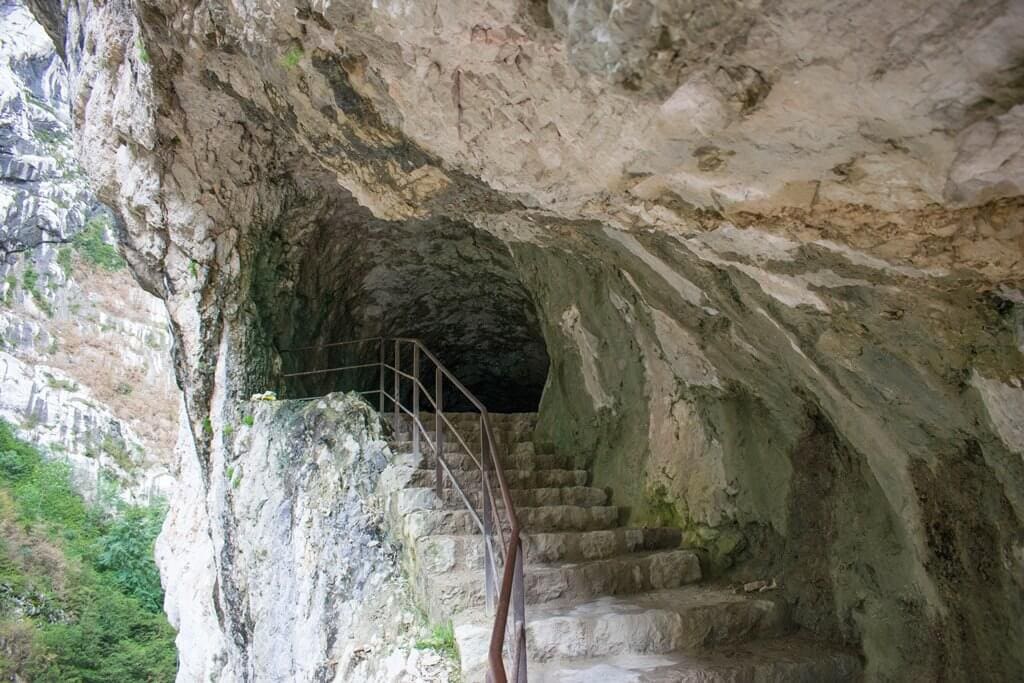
[327,370]
[349,342]
[511,594]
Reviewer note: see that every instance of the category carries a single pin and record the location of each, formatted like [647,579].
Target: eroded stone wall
[818,424]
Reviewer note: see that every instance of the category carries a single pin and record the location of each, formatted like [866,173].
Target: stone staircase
[605,602]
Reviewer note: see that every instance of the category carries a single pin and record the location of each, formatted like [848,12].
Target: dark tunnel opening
[346,275]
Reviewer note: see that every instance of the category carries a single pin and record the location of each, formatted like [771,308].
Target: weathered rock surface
[44,196]
[287,539]
[772,251]
[84,369]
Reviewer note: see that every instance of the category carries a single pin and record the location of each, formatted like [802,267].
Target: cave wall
[349,276]
[773,252]
[802,416]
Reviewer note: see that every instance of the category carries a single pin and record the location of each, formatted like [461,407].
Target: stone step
[689,619]
[516,479]
[547,547]
[421,498]
[507,429]
[421,523]
[458,460]
[444,553]
[584,496]
[512,461]
[498,420]
[403,445]
[658,622]
[448,594]
[522,449]
[792,659]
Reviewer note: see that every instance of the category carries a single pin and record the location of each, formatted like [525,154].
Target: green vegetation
[48,137]
[64,260]
[248,420]
[79,592]
[662,508]
[118,452]
[207,426]
[130,562]
[89,243]
[64,384]
[123,388]
[30,281]
[442,639]
[193,268]
[42,104]
[720,545]
[30,278]
[234,476]
[142,52]
[292,57]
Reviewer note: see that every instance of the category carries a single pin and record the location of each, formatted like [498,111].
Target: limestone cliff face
[298,515]
[769,252]
[83,351]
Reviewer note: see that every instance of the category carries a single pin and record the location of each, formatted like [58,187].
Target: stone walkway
[605,602]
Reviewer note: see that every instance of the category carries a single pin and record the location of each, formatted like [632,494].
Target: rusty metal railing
[507,600]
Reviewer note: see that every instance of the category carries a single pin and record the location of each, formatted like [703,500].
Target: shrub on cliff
[79,592]
[91,244]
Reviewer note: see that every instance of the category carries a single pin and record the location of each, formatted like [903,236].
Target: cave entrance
[455,287]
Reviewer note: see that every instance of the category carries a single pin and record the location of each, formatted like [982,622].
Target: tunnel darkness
[338,274]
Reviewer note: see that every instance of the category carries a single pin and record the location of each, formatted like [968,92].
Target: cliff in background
[84,353]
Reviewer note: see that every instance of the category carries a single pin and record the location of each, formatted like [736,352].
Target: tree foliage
[80,596]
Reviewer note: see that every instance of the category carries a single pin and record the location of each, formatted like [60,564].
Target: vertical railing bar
[398,386]
[416,400]
[438,430]
[495,656]
[383,362]
[492,449]
[485,502]
[519,611]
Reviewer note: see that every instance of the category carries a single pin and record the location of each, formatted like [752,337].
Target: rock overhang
[817,348]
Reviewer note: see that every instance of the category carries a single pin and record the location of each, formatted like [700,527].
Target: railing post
[505,595]
[398,387]
[416,400]
[485,498]
[382,360]
[438,430]
[519,614]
